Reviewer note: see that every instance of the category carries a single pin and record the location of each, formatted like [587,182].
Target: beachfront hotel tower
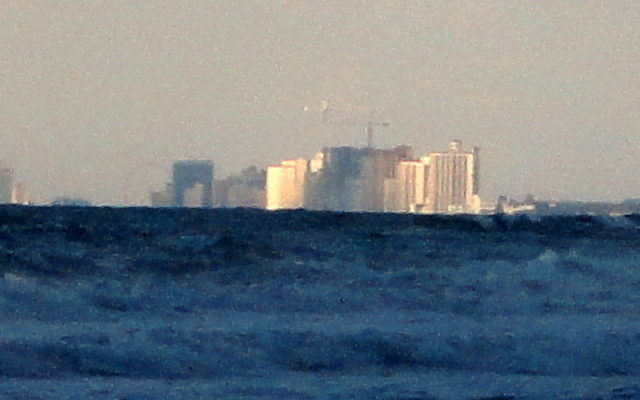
[453,181]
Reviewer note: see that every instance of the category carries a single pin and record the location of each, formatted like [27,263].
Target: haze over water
[98,98]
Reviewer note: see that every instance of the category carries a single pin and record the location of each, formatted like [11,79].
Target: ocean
[141,303]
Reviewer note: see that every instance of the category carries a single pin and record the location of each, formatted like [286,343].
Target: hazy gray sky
[98,97]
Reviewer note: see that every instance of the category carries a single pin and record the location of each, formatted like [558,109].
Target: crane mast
[369,131]
[329,116]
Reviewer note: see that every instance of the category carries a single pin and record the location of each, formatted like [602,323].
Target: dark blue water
[186,303]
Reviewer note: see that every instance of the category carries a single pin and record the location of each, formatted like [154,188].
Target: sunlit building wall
[19,194]
[317,162]
[453,181]
[285,184]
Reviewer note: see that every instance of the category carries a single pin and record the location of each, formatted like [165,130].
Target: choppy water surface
[143,303]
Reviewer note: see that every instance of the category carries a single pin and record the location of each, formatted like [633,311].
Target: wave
[205,294]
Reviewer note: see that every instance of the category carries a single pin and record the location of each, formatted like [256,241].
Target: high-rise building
[378,167]
[19,194]
[352,179]
[453,181]
[187,174]
[6,183]
[285,184]
[334,179]
[246,189]
[407,191]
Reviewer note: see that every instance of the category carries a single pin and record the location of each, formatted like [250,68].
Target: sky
[98,97]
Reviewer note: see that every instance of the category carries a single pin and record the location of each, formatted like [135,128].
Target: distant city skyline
[99,98]
[379,180]
[344,178]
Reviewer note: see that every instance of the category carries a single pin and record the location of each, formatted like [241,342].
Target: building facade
[352,179]
[453,181]
[285,184]
[19,194]
[188,175]
[379,167]
[246,189]
[407,191]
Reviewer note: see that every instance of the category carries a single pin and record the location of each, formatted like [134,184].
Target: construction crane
[369,130]
[328,115]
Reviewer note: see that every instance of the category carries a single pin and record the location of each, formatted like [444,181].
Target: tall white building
[19,194]
[407,191]
[285,184]
[453,181]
